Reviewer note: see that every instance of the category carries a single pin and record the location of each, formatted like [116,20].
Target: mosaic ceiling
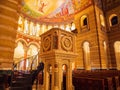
[57,10]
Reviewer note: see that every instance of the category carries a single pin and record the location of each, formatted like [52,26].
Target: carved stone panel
[66,43]
[46,43]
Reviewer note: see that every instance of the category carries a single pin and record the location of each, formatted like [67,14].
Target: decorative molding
[46,43]
[66,43]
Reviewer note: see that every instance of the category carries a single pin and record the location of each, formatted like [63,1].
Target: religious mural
[48,8]
[52,8]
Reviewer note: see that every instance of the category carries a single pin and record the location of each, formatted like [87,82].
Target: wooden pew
[83,83]
[111,77]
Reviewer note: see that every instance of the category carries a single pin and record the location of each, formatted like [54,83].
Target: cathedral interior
[59,44]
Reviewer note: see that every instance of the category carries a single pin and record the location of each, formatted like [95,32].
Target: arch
[84,21]
[65,74]
[86,55]
[22,40]
[117,53]
[19,50]
[32,50]
[64,67]
[113,19]
[49,68]
[34,43]
[49,75]
[85,41]
[20,53]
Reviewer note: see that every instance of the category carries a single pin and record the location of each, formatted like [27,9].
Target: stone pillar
[60,75]
[56,76]
[46,77]
[69,85]
[25,56]
[8,28]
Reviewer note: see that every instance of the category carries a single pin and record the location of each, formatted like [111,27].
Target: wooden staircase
[24,81]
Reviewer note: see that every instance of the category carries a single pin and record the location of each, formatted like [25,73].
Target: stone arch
[34,43]
[65,74]
[22,40]
[19,50]
[85,41]
[113,19]
[49,75]
[19,54]
[32,50]
[64,67]
[84,20]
